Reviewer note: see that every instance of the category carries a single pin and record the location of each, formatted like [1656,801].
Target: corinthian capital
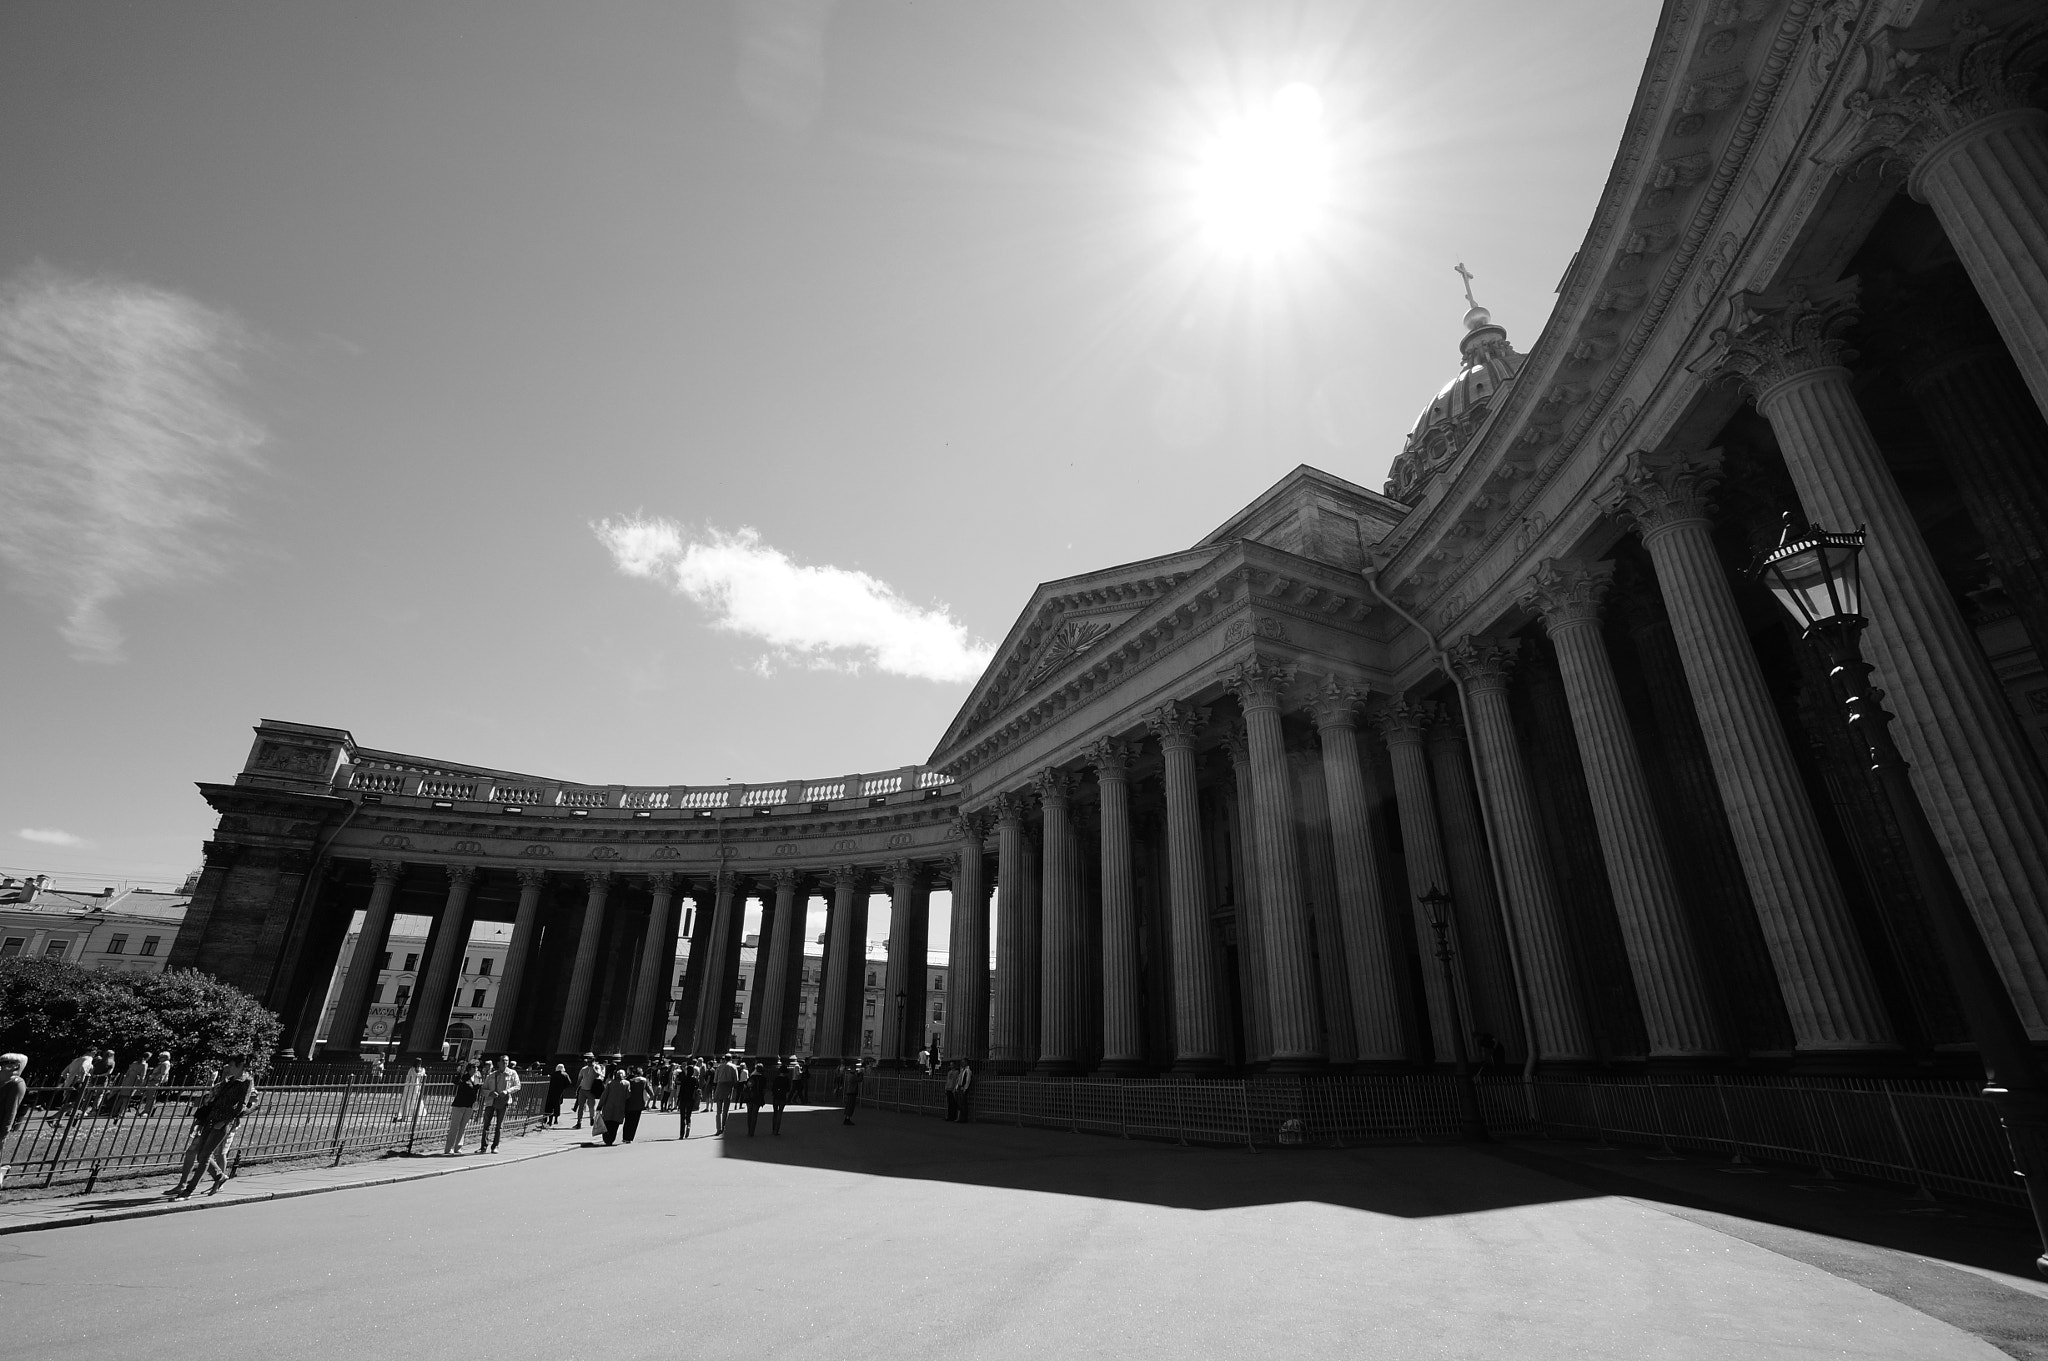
[461,874]
[1335,704]
[1663,491]
[846,877]
[387,871]
[1008,807]
[600,882]
[1238,743]
[1485,663]
[1405,722]
[1055,786]
[783,879]
[969,827]
[1567,591]
[1175,722]
[663,882]
[1111,758]
[1918,99]
[532,878]
[1768,340]
[1258,684]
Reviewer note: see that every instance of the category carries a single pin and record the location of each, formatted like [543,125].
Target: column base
[1197,1068]
[1009,1067]
[1056,1068]
[1874,1061]
[1659,1064]
[1122,1068]
[1297,1067]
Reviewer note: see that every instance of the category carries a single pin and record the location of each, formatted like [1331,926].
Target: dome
[1447,423]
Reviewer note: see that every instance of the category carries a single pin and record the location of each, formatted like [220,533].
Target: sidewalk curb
[187,1206]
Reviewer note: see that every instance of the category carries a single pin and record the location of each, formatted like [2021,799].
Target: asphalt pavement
[908,1237]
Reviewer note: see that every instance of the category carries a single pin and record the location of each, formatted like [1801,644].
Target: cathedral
[1513,758]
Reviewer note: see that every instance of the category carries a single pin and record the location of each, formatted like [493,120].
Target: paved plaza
[908,1237]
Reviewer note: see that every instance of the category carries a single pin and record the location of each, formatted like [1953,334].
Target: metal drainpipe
[1480,786]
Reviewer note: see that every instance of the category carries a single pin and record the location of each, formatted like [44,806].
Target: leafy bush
[51,1010]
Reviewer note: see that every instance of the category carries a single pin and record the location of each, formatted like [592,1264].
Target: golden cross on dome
[1466,275]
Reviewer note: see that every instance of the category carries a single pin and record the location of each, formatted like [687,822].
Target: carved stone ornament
[1069,640]
[1768,340]
[393,841]
[1237,742]
[666,853]
[1919,98]
[600,881]
[1662,490]
[788,848]
[538,852]
[784,878]
[662,882]
[905,872]
[529,877]
[1258,684]
[1335,704]
[461,874]
[605,853]
[388,871]
[846,876]
[1054,786]
[1485,663]
[1111,757]
[1568,591]
[969,827]
[1008,807]
[469,848]
[900,839]
[845,844]
[1176,722]
[1405,721]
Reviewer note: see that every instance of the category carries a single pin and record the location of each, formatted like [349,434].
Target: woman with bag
[464,1102]
[612,1105]
[639,1095]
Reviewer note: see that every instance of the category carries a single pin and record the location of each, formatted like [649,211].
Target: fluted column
[518,954]
[583,973]
[1009,1048]
[967,948]
[909,903]
[648,993]
[1962,117]
[1251,933]
[430,1005]
[846,923]
[1669,983]
[352,1010]
[1556,1007]
[1319,893]
[1369,957]
[1405,726]
[1490,1003]
[1059,929]
[1970,761]
[1197,1043]
[1290,966]
[771,976]
[1822,972]
[714,998]
[696,967]
[1123,1029]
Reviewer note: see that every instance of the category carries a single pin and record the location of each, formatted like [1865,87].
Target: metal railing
[73,1140]
[1934,1136]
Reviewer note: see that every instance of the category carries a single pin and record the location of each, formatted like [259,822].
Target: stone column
[1059,930]
[1405,726]
[1676,1007]
[518,954]
[1251,934]
[1197,1042]
[1283,916]
[1009,1049]
[1962,118]
[772,976]
[846,922]
[648,1012]
[697,967]
[430,1005]
[967,1010]
[714,998]
[1369,957]
[1123,1027]
[352,1010]
[1970,761]
[1829,991]
[1490,1002]
[905,973]
[1319,887]
[583,973]
[1557,1010]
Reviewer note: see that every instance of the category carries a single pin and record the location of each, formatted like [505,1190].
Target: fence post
[1668,1154]
[413,1134]
[1820,1157]
[1180,1118]
[1906,1143]
[1728,1120]
[1244,1107]
[341,1116]
[1599,1121]
[1123,1115]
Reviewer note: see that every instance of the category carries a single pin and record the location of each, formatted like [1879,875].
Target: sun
[1265,180]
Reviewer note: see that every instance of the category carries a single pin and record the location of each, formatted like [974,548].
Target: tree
[51,1010]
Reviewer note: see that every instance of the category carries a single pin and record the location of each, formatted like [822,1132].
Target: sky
[680,394]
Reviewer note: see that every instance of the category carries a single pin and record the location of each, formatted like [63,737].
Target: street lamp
[1815,575]
[902,1039]
[1437,904]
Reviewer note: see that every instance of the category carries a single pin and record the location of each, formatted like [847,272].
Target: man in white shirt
[499,1085]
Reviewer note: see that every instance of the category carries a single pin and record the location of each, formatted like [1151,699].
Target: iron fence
[1934,1136]
[71,1140]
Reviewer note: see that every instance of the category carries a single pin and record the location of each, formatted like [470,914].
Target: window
[871,978]
[742,983]
[11,947]
[483,968]
[118,945]
[403,995]
[55,949]
[867,1039]
[938,983]
[938,1011]
[384,960]
[376,994]
[412,963]
[738,1012]
[871,1006]
[149,945]
[465,964]
[476,999]
[679,980]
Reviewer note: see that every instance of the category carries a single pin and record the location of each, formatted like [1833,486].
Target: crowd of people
[615,1094]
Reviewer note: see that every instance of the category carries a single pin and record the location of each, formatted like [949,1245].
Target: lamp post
[902,1040]
[1437,904]
[1816,577]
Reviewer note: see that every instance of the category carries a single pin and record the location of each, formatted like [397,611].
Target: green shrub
[51,1010]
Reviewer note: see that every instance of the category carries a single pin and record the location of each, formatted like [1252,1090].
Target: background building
[130,930]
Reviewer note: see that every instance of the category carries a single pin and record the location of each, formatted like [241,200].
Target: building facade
[115,930]
[1195,806]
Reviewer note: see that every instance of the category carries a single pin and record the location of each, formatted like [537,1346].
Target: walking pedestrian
[13,1091]
[757,1093]
[854,1075]
[779,1081]
[460,1106]
[589,1086]
[212,1125]
[159,1080]
[133,1079]
[612,1105]
[964,1093]
[639,1094]
[414,1095]
[723,1082]
[686,1093]
[501,1084]
[559,1083]
[953,1092]
[72,1085]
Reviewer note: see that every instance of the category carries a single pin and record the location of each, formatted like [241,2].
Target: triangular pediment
[1316,515]
[1066,621]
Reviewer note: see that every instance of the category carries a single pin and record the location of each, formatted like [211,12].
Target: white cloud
[828,618]
[50,836]
[120,444]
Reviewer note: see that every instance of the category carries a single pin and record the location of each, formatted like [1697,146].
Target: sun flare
[1265,179]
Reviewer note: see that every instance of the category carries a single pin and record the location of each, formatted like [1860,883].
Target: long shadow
[1875,1235]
